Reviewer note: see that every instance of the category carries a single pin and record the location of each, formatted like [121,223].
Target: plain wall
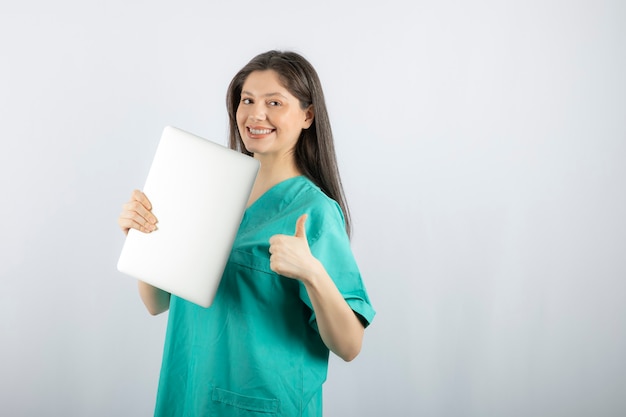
[483,150]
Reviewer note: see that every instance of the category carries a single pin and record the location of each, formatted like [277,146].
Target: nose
[257,112]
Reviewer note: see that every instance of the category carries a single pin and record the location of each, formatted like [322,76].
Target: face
[269,117]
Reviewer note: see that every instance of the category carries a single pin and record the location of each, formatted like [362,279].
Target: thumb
[300,229]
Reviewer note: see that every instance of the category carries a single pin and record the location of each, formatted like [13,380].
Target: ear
[310,115]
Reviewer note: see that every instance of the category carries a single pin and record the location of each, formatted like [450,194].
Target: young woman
[291,290]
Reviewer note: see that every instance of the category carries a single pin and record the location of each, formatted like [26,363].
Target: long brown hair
[314,152]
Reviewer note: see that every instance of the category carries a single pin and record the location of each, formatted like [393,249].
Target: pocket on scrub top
[248,260]
[233,404]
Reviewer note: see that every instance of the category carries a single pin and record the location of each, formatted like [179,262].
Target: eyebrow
[265,95]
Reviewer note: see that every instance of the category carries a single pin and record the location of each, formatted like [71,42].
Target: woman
[291,289]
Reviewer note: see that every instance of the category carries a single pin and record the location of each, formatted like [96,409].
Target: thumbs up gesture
[291,256]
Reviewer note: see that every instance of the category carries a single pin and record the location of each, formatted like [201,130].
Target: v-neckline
[271,190]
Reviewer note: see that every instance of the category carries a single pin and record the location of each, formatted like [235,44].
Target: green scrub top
[256,351]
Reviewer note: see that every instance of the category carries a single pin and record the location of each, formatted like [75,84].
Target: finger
[133,220]
[135,206]
[128,223]
[300,229]
[138,195]
[277,239]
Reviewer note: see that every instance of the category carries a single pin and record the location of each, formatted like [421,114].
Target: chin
[253,147]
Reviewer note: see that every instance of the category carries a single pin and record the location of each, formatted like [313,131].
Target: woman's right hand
[137,214]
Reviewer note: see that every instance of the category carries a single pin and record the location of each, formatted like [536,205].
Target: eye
[246,100]
[274,103]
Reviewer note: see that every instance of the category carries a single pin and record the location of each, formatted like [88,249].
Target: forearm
[156,300]
[338,325]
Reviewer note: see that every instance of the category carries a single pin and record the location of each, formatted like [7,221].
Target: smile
[260,131]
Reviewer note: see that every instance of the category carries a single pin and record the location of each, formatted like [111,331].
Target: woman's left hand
[291,256]
[339,327]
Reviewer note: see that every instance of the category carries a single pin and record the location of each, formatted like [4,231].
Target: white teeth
[260,131]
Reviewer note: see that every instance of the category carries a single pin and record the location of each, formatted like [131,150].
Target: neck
[272,172]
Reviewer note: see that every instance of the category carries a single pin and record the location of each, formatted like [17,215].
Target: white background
[483,150]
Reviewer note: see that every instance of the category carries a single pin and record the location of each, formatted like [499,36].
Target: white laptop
[199,191]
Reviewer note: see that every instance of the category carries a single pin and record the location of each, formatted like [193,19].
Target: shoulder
[324,213]
[315,200]
[310,193]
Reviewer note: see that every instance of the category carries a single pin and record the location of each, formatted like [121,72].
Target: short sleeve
[330,244]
